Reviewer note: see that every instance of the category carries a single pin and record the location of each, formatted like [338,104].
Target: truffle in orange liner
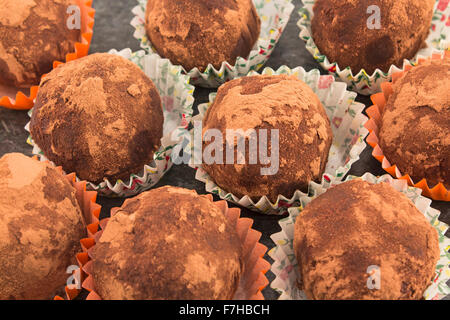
[171,243]
[42,218]
[41,33]
[409,125]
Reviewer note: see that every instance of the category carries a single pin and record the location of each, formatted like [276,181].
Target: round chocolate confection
[168,243]
[280,102]
[340,29]
[415,124]
[33,34]
[356,226]
[197,33]
[41,225]
[99,116]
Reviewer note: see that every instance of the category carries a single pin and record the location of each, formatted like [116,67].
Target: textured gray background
[113,30]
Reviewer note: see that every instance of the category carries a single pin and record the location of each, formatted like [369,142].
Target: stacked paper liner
[87,202]
[347,123]
[359,80]
[177,100]
[24,102]
[285,266]
[274,16]
[253,280]
[438,192]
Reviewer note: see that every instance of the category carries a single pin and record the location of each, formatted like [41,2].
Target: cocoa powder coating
[99,116]
[41,225]
[415,124]
[355,225]
[171,244]
[33,34]
[340,31]
[280,102]
[201,32]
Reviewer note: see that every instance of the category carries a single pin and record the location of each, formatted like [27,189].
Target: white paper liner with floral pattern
[177,100]
[285,266]
[360,81]
[274,16]
[347,123]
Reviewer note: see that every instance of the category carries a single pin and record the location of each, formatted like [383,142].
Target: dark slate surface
[113,30]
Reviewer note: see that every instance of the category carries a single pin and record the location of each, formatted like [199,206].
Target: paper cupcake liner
[274,16]
[360,81]
[347,123]
[438,192]
[285,266]
[24,100]
[177,100]
[253,280]
[87,201]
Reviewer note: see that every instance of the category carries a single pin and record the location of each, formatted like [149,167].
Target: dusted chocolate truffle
[282,103]
[356,225]
[201,32]
[33,34]
[415,125]
[41,225]
[168,243]
[340,29]
[99,116]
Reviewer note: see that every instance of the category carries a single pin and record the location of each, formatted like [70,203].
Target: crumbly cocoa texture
[99,116]
[41,225]
[271,102]
[33,34]
[355,225]
[415,124]
[168,243]
[340,31]
[197,33]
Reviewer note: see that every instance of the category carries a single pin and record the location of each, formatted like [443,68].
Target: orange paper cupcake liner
[253,279]
[26,102]
[437,192]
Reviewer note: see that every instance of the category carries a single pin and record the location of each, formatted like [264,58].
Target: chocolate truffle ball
[171,244]
[33,34]
[99,116]
[415,124]
[282,103]
[201,32]
[356,226]
[340,29]
[40,228]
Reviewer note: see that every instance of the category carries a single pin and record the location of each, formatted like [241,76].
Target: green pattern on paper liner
[285,266]
[177,99]
[347,123]
[360,81]
[274,16]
